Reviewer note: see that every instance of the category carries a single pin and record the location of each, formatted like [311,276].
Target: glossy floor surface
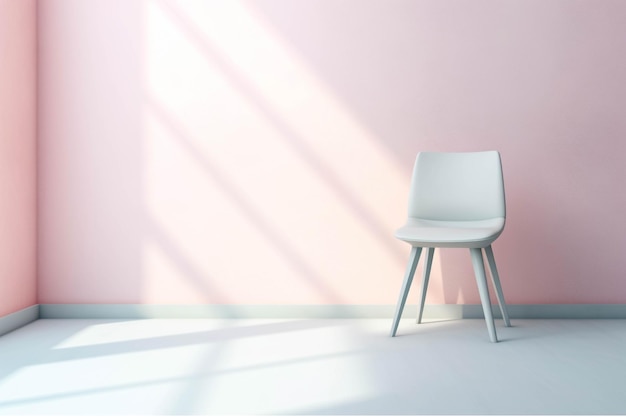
[313,367]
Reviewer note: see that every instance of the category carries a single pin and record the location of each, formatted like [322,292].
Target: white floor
[313,367]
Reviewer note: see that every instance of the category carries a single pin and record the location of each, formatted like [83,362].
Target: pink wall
[260,151]
[17,155]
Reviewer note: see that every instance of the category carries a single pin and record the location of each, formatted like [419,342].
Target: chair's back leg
[481,281]
[425,277]
[495,279]
[408,277]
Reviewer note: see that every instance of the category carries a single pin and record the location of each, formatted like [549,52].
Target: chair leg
[408,277]
[495,279]
[427,265]
[481,280]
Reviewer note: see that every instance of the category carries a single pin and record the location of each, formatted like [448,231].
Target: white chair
[456,201]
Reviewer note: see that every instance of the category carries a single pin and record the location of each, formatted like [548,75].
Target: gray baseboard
[18,319]
[440,311]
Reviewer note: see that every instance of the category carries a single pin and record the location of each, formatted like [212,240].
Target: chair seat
[450,234]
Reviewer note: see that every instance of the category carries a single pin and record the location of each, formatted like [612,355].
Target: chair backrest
[457,186]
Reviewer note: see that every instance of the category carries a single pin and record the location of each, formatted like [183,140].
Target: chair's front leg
[408,277]
[427,266]
[481,280]
[495,279]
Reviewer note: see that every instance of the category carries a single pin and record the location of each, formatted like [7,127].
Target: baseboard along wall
[438,311]
[20,318]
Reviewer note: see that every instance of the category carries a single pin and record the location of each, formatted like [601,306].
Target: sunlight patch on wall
[273,72]
[254,173]
[200,227]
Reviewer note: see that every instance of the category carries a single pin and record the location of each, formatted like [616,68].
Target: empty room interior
[312,207]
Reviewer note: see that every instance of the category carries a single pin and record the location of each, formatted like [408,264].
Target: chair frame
[453,187]
[481,281]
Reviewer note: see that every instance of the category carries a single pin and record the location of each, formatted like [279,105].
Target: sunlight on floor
[323,368]
[331,366]
[130,330]
[196,365]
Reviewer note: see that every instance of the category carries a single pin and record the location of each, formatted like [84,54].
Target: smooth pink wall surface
[17,155]
[260,151]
